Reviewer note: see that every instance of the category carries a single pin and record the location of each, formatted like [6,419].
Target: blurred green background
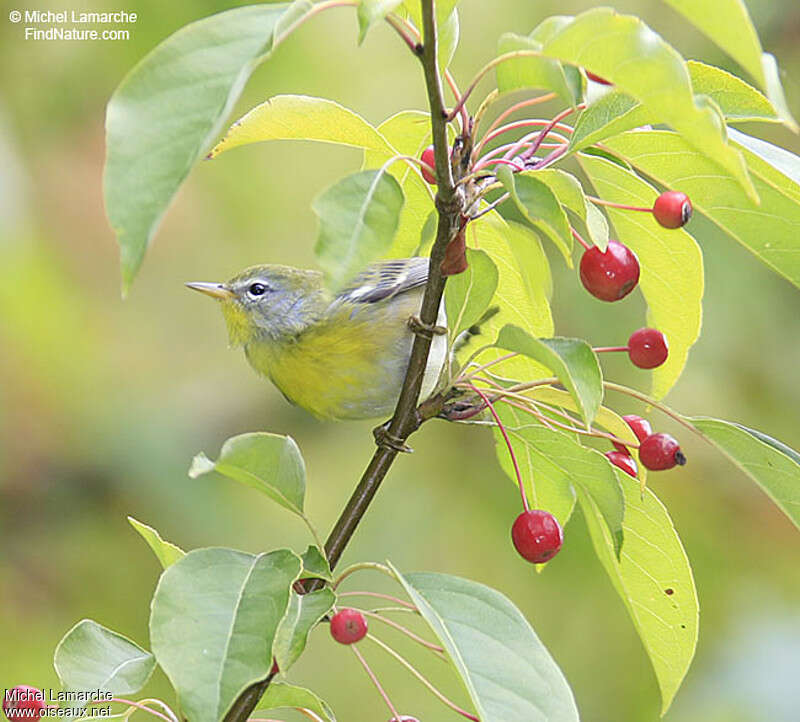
[103,403]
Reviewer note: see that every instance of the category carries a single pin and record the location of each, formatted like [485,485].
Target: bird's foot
[387,440]
[419,327]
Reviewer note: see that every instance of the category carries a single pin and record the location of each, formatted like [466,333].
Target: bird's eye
[257,289]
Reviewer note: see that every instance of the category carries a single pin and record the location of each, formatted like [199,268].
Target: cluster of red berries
[657,452]
[24,704]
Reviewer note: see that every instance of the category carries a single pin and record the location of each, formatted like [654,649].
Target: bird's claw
[387,440]
[419,327]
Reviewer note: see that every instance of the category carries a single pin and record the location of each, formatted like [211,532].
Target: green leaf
[358,217]
[508,672]
[622,49]
[269,463]
[468,294]
[540,207]
[654,579]
[166,552]
[569,192]
[572,360]
[737,100]
[280,695]
[775,91]
[776,165]
[409,133]
[523,287]
[301,117]
[316,565]
[671,264]
[726,23]
[304,613]
[769,230]
[371,12]
[774,466]
[167,111]
[613,113]
[213,619]
[531,72]
[558,466]
[91,658]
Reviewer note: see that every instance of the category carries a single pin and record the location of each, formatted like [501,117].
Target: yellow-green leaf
[625,51]
[409,133]
[671,264]
[727,23]
[166,552]
[523,280]
[301,117]
[770,230]
[654,579]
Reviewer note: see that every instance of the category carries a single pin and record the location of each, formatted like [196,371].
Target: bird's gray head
[268,303]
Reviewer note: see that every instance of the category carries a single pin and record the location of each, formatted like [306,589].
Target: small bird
[339,356]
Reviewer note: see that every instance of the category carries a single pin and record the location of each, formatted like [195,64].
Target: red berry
[661,451]
[612,275]
[640,427]
[428,157]
[23,703]
[648,348]
[672,209]
[348,626]
[623,461]
[597,78]
[537,535]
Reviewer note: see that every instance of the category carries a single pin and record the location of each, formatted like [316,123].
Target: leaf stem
[361,566]
[431,687]
[379,595]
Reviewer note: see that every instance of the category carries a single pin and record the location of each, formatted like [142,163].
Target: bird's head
[267,303]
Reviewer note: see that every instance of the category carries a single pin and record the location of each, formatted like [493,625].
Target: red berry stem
[375,681]
[608,349]
[403,32]
[137,705]
[403,630]
[511,453]
[622,206]
[552,124]
[552,157]
[431,687]
[508,112]
[577,236]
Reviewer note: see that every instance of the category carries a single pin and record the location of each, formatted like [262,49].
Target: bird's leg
[389,441]
[417,326]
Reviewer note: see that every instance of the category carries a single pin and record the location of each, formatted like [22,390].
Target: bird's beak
[216,290]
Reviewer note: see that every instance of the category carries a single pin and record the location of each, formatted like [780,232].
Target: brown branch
[406,418]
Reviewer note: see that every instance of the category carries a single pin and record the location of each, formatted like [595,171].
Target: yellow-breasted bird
[339,356]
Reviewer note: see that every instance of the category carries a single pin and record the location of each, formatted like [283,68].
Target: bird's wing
[385,279]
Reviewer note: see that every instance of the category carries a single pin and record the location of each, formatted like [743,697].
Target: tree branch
[405,419]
